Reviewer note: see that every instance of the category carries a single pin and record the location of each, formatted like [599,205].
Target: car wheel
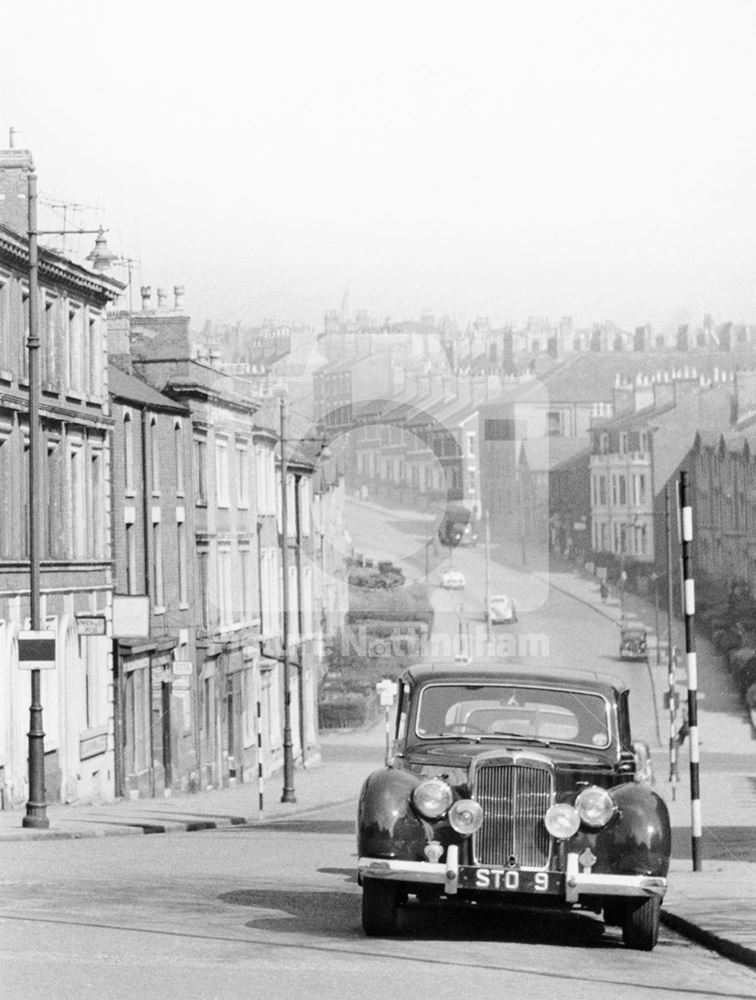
[380,906]
[640,927]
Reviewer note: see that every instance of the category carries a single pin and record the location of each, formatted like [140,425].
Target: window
[622,482]
[6,544]
[225,586]
[245,580]
[158,595]
[77,500]
[94,347]
[554,423]
[471,444]
[131,561]
[74,378]
[178,448]
[181,562]
[623,442]
[96,501]
[49,343]
[155,454]
[5,360]
[203,583]
[200,469]
[221,471]
[640,488]
[23,353]
[128,453]
[242,474]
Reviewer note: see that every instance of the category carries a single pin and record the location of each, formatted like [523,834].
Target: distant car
[452,579]
[501,610]
[633,644]
[518,786]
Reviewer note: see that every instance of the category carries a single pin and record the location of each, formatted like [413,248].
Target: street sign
[36,650]
[387,691]
[90,624]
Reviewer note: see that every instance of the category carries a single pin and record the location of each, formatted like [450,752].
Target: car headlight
[432,798]
[562,820]
[466,816]
[595,806]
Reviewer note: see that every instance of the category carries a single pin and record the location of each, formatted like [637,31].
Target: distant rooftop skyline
[585,159]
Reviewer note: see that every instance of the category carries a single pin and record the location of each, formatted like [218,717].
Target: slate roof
[130,389]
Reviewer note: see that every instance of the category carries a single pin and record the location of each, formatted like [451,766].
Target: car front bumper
[570,885]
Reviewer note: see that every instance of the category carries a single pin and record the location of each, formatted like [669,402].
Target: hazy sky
[592,159]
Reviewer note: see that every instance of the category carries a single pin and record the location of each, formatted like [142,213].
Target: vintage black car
[633,644]
[513,786]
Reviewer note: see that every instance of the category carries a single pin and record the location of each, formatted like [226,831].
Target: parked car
[515,786]
[633,644]
[501,610]
[452,579]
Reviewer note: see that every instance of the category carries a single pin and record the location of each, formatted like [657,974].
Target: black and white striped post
[686,512]
[260,779]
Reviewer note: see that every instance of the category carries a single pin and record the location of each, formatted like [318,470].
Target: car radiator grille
[514,798]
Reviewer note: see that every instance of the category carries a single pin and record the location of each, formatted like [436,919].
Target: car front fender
[638,840]
[387,826]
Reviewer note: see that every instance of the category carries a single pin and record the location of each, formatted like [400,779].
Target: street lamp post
[655,581]
[36,807]
[287,794]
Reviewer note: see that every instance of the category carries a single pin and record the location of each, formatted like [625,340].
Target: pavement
[715,906]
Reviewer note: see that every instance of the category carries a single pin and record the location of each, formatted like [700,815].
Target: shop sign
[182,668]
[90,624]
[181,684]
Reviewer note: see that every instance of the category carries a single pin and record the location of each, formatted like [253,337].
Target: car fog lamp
[595,806]
[562,820]
[432,798]
[466,816]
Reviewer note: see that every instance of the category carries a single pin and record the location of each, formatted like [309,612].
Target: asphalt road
[274,911]
[552,628]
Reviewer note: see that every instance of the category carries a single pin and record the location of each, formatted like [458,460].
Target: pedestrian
[604,591]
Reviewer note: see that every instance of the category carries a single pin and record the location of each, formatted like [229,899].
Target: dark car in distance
[513,786]
[633,644]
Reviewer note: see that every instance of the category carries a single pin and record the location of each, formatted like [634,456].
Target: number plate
[511,880]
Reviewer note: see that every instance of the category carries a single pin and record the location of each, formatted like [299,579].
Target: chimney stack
[15,167]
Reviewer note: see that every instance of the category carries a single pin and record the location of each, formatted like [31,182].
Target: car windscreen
[487,711]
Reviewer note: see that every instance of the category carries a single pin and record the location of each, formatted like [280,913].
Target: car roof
[525,673]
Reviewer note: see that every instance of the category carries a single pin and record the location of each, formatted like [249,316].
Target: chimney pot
[146,293]
[178,296]
[161,297]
